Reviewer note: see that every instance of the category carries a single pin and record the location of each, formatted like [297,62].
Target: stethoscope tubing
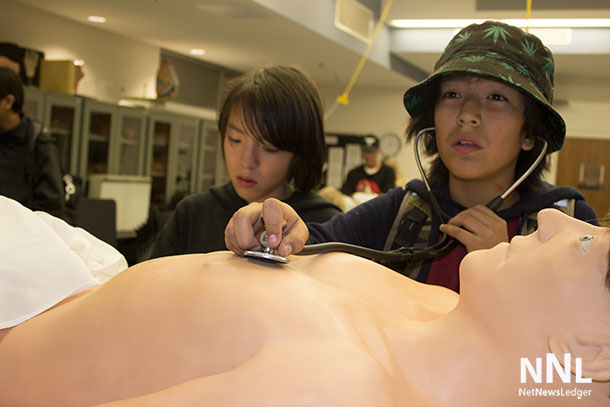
[409,254]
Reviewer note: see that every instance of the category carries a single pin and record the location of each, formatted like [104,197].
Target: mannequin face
[542,280]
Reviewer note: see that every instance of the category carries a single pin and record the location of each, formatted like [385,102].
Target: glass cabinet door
[97,129]
[129,156]
[159,140]
[62,119]
[209,157]
[185,160]
[33,103]
[171,157]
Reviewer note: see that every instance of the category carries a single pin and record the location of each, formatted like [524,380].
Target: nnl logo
[552,363]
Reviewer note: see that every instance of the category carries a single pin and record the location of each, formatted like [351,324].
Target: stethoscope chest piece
[268,253]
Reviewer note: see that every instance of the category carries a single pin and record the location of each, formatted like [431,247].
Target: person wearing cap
[489,102]
[373,177]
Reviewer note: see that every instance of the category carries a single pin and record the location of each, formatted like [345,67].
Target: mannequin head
[555,256]
[552,284]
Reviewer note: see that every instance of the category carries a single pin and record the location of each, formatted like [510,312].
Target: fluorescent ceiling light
[197,51]
[553,36]
[533,22]
[96,19]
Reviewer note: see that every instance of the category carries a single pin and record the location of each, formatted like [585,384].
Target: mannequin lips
[245,182]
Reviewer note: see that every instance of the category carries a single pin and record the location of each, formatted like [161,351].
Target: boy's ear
[596,368]
[528,144]
[7,102]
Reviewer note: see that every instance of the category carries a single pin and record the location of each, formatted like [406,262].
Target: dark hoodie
[369,224]
[198,223]
[31,174]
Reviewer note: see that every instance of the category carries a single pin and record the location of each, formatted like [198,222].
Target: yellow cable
[343,98]
[528,12]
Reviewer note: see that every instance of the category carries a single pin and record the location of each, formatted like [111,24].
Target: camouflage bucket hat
[503,52]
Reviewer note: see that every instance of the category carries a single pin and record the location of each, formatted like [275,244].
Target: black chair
[98,217]
[148,232]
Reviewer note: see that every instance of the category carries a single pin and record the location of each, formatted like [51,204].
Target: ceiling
[240,34]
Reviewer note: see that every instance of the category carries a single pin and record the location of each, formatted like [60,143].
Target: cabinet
[62,117]
[98,119]
[182,153]
[33,103]
[171,156]
[112,139]
[128,148]
[211,168]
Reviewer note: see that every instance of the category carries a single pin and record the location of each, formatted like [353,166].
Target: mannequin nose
[549,222]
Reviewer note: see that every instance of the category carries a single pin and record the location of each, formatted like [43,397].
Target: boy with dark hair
[30,172]
[272,130]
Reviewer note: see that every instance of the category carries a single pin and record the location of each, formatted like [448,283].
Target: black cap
[370,143]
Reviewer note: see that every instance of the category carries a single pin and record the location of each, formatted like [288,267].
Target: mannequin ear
[597,368]
[527,144]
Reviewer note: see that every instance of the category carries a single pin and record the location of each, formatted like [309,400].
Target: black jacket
[31,176]
[369,223]
[198,223]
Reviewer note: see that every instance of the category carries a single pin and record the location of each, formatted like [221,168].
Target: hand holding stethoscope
[240,235]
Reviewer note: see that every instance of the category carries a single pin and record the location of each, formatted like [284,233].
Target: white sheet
[44,260]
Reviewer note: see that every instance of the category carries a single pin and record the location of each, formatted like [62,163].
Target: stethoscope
[402,254]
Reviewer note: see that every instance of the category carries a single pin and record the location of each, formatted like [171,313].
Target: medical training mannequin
[221,330]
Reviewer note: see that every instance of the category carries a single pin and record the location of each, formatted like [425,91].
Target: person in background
[372,177]
[30,169]
[489,103]
[272,132]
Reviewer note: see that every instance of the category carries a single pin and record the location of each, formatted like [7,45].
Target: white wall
[115,66]
[587,119]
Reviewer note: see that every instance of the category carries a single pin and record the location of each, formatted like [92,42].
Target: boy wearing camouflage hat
[489,100]
[487,110]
